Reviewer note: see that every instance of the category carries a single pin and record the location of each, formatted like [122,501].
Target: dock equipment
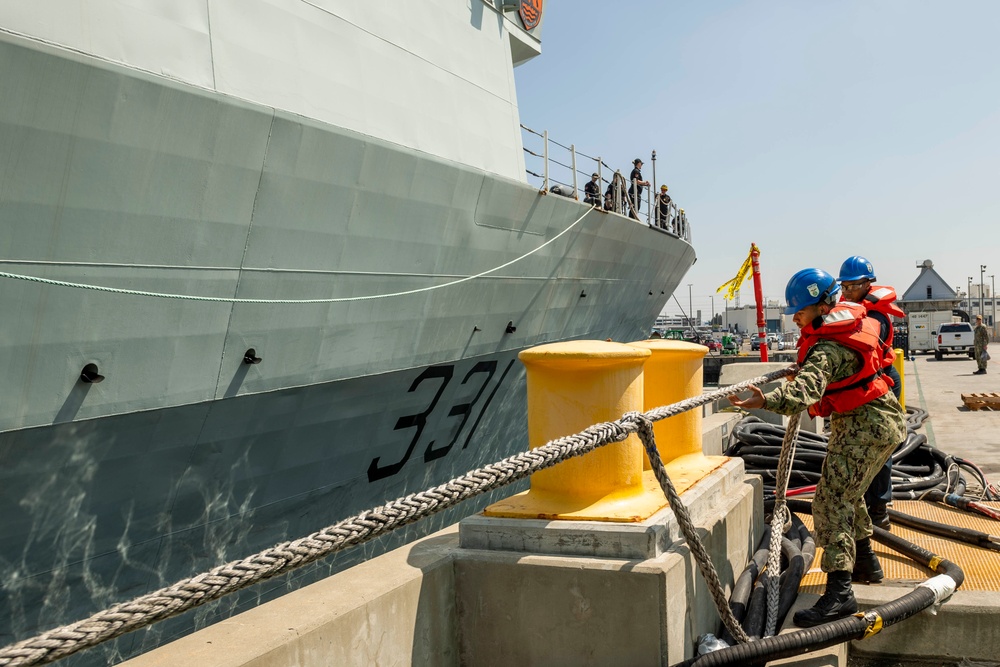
[980,401]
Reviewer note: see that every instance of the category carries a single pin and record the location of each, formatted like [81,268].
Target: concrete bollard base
[643,540]
[594,593]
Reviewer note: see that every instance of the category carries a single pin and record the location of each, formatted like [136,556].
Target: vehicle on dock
[954,338]
[923,329]
[678,334]
[252,279]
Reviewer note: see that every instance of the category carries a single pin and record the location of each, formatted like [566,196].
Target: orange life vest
[880,302]
[847,323]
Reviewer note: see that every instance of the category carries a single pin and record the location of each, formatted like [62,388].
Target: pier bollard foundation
[590,568]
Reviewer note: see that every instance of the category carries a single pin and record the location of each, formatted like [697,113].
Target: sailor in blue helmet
[856,283]
[840,376]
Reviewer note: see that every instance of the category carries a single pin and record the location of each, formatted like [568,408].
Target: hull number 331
[481,374]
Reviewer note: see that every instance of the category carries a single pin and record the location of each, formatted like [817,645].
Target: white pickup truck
[954,338]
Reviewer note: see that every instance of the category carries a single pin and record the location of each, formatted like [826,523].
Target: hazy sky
[815,129]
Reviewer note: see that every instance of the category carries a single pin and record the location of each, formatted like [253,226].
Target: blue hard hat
[809,287]
[856,268]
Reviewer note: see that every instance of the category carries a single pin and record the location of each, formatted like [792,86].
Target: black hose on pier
[748,600]
[858,626]
[967,535]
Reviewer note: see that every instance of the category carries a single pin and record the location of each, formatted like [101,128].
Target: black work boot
[866,566]
[879,514]
[837,602]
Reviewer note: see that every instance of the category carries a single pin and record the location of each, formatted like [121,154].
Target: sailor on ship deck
[635,189]
[592,190]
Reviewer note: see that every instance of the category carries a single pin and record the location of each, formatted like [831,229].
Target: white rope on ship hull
[219,299]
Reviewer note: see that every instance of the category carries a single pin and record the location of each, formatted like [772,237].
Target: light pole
[690,311]
[958,293]
[653,190]
[712,297]
[993,299]
[970,297]
[982,295]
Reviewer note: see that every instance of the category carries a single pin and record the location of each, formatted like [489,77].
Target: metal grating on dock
[981,566]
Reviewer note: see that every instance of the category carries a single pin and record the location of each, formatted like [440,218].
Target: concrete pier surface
[402,608]
[937,386]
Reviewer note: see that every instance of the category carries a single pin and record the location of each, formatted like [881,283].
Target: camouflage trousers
[978,351]
[855,453]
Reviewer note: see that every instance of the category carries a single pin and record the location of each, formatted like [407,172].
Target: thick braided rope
[656,414]
[189,593]
[701,555]
[780,519]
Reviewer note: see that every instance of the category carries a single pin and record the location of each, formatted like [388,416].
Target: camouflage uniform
[982,339]
[860,442]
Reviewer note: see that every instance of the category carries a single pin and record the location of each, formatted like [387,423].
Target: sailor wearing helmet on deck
[663,209]
[839,376]
[856,278]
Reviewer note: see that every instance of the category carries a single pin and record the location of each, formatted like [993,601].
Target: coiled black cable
[918,468]
[748,600]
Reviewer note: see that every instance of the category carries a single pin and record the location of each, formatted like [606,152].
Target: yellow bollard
[898,363]
[672,374]
[571,386]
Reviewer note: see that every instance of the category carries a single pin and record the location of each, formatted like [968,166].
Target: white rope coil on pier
[224,579]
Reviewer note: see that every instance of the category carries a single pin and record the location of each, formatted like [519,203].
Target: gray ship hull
[184,456]
[130,503]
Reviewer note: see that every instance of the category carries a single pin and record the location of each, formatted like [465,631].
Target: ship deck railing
[556,167]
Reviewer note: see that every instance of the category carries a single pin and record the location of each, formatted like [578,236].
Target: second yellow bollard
[672,374]
[898,363]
